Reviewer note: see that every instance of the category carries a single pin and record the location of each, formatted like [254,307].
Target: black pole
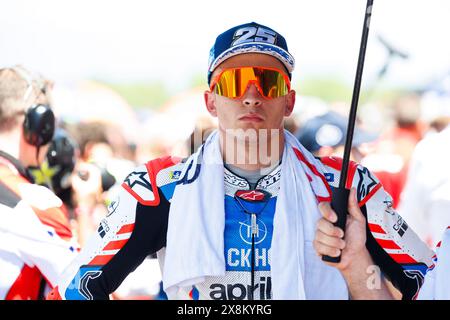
[340,195]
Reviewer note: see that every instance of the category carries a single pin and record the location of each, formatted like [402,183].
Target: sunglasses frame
[214,81]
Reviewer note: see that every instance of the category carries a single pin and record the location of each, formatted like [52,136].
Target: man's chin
[251,132]
[252,125]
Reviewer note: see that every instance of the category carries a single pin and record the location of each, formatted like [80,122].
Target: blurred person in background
[204,126]
[391,154]
[95,146]
[224,228]
[109,157]
[58,166]
[95,152]
[324,136]
[408,127]
[425,201]
[77,184]
[36,241]
[105,146]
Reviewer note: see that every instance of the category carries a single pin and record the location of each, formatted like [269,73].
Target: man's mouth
[251,117]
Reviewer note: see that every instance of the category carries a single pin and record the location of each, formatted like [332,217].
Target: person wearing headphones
[36,241]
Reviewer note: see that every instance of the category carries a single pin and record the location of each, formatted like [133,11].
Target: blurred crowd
[402,140]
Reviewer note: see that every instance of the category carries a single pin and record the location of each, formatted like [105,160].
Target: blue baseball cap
[249,38]
[329,130]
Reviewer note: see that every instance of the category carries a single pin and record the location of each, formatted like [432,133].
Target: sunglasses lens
[233,83]
[272,84]
[229,84]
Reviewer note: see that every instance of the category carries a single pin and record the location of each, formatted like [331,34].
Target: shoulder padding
[359,177]
[141,182]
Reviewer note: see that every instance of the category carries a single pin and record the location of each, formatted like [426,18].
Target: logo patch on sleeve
[138,178]
[137,183]
[366,183]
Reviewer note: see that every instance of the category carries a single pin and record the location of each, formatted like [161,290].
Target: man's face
[252,110]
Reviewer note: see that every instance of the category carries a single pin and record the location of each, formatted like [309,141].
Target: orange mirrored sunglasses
[233,83]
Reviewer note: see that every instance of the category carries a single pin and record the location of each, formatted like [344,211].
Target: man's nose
[252,97]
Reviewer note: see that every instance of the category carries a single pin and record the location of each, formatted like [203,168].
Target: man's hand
[355,258]
[329,239]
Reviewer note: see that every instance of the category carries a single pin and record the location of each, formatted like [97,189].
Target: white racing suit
[136,226]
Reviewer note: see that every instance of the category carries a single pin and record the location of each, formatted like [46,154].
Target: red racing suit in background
[35,237]
[137,222]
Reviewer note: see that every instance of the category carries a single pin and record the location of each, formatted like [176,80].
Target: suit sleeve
[135,227]
[401,255]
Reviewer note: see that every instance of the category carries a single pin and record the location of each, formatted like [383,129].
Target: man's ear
[210,103]
[290,102]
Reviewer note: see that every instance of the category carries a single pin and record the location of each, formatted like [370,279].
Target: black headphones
[39,125]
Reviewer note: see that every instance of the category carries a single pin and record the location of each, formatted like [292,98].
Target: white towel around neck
[195,236]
